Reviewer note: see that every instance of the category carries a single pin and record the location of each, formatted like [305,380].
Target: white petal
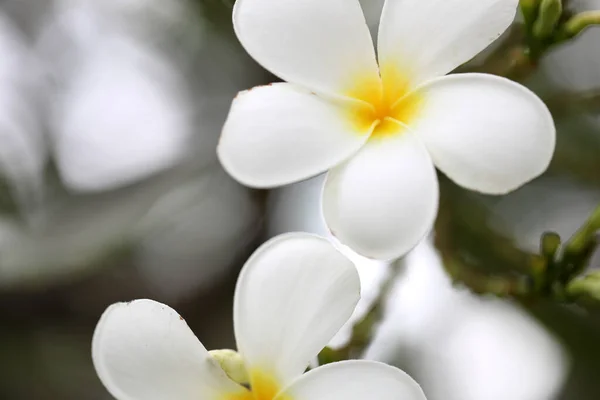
[486,133]
[322,45]
[384,200]
[292,296]
[144,350]
[430,38]
[354,380]
[280,134]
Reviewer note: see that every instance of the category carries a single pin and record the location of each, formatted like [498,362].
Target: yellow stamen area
[263,386]
[387,103]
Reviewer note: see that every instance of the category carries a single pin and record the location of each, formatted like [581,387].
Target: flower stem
[524,276]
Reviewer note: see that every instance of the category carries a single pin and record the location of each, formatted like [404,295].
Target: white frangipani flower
[292,296]
[381,125]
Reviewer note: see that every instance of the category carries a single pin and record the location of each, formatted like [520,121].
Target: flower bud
[579,22]
[550,12]
[529,9]
[232,363]
[550,244]
[587,288]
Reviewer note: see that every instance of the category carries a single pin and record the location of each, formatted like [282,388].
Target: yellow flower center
[387,103]
[263,386]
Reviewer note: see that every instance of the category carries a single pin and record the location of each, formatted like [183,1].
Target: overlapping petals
[292,296]
[144,350]
[486,133]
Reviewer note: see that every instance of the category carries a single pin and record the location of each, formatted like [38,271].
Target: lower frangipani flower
[292,296]
[381,125]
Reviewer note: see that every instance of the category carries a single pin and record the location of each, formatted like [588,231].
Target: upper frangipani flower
[292,296]
[380,125]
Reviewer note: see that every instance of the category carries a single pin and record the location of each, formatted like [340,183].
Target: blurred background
[110,190]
